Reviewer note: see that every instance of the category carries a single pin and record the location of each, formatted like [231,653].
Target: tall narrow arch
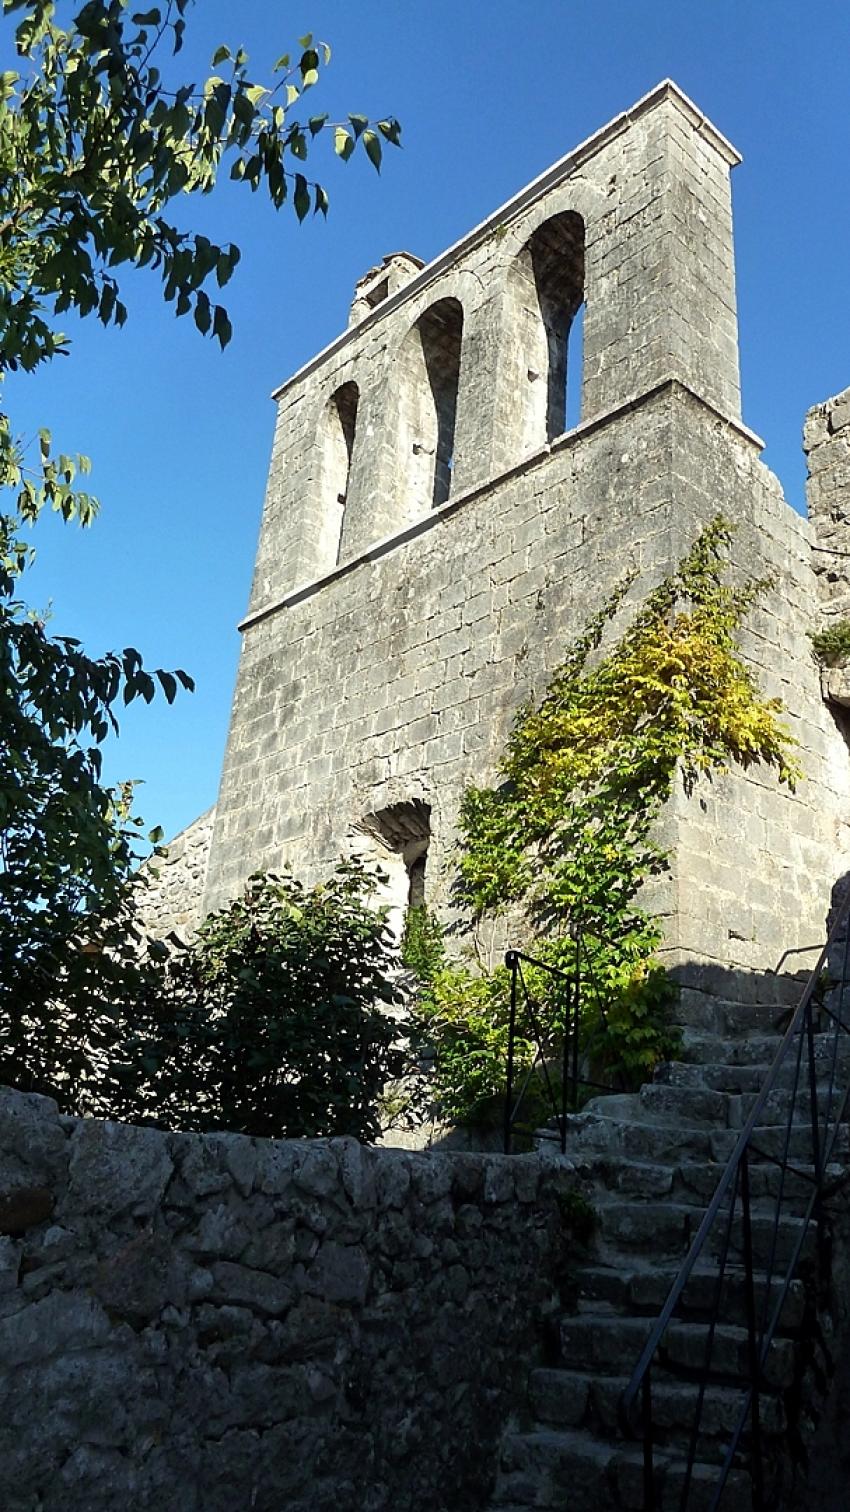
[429,373]
[339,425]
[546,285]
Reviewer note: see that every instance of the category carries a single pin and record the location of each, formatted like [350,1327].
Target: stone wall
[200,1324]
[826,442]
[169,896]
[436,642]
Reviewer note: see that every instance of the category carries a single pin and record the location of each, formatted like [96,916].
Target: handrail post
[817,1162]
[576,1018]
[646,1429]
[511,963]
[757,1470]
[565,1066]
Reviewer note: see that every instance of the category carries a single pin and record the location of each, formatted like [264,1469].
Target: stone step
[594,1133]
[757,1050]
[781,1102]
[721,1077]
[666,1230]
[645,1288]
[769,1140]
[599,1343]
[680,1107]
[551,1468]
[565,1398]
[722,1016]
[700,1048]
[695,1181]
[685,1106]
[554,1469]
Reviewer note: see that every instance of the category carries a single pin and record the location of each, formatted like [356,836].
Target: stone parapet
[204,1323]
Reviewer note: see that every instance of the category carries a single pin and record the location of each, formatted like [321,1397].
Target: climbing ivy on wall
[566,837]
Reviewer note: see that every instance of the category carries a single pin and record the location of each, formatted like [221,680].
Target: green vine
[566,836]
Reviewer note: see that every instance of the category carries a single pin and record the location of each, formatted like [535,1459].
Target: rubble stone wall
[169,896]
[204,1323]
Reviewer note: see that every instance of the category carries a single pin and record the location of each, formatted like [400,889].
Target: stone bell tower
[433,536]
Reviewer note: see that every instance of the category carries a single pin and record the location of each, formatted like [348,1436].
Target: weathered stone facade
[204,1323]
[432,538]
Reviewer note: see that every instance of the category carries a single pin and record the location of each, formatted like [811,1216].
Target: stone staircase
[652,1161]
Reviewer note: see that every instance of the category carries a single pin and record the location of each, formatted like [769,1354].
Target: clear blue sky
[488,95]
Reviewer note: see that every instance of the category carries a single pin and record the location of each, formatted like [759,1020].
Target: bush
[273,1023]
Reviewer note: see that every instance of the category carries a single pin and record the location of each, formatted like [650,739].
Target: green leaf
[343,143]
[221,55]
[221,326]
[316,123]
[301,197]
[203,314]
[168,683]
[372,143]
[391,131]
[359,124]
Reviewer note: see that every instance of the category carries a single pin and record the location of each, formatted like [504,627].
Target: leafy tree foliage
[100,138]
[274,1022]
[96,143]
[283,1027]
[67,843]
[566,836]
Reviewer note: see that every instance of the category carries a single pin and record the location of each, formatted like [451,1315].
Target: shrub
[831,647]
[273,1023]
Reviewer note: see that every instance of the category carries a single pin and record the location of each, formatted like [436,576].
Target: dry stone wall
[203,1323]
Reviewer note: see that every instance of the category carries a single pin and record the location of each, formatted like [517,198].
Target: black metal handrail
[578,984]
[733,1198]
